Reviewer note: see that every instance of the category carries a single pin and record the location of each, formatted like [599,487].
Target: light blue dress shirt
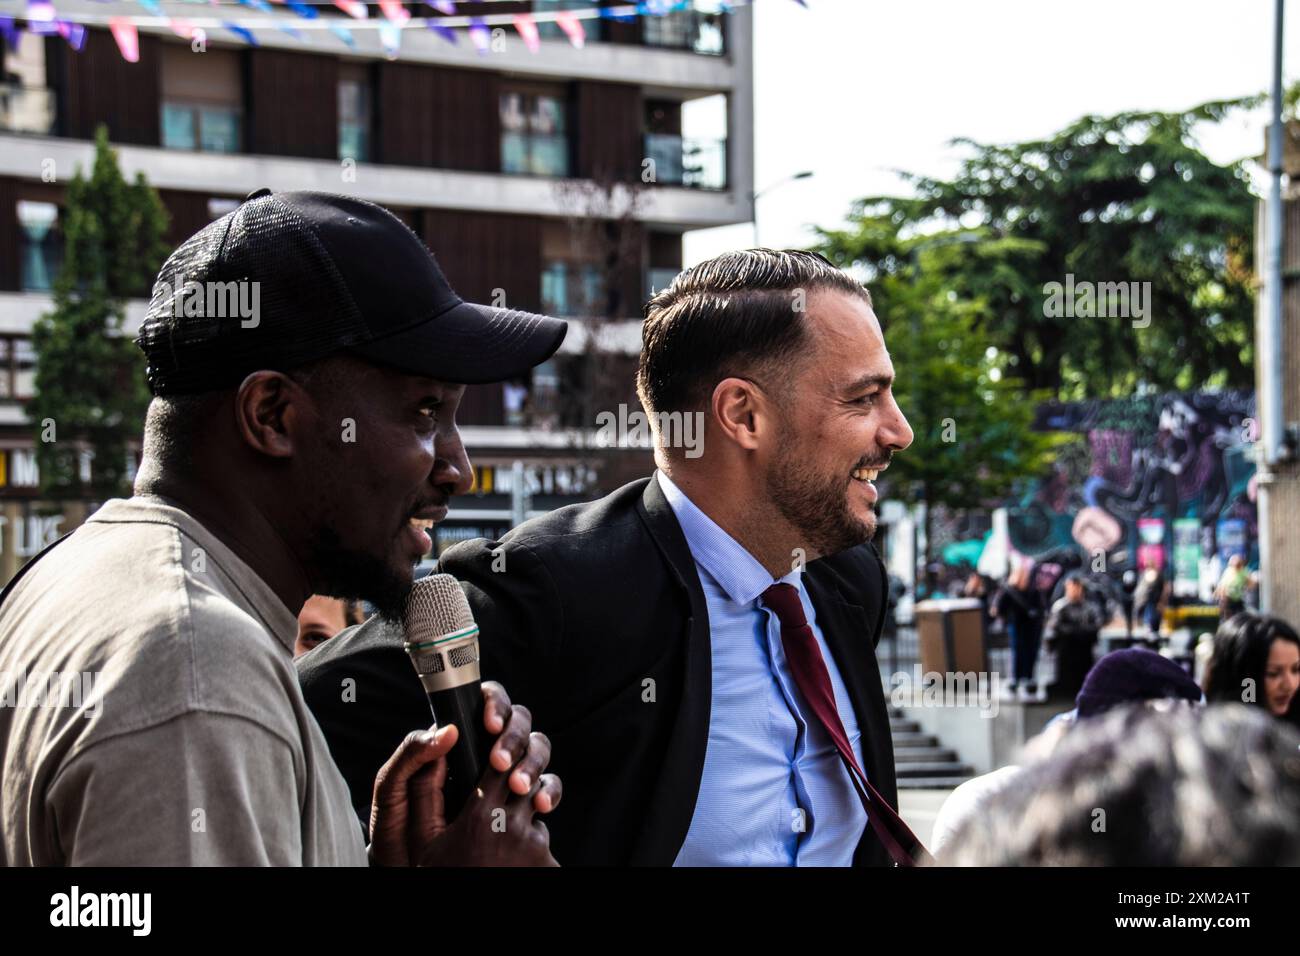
[774,791]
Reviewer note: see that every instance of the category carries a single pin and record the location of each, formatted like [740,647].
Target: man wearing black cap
[307,357]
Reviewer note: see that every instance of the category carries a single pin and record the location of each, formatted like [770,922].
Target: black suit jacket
[593,617]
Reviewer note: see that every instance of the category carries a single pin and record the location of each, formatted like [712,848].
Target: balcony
[693,161]
[695,30]
[26,109]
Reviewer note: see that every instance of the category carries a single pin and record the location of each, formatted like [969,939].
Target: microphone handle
[466,761]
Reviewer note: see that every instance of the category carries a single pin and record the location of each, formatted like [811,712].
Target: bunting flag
[480,34]
[353,8]
[182,27]
[395,11]
[41,18]
[447,33]
[128,41]
[39,11]
[572,28]
[74,33]
[390,36]
[343,33]
[621,14]
[243,33]
[10,32]
[528,30]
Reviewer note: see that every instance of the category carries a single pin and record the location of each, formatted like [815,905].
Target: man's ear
[741,412]
[269,407]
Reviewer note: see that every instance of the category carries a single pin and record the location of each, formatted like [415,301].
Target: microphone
[442,641]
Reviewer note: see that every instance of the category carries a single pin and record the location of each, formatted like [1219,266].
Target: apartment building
[559,180]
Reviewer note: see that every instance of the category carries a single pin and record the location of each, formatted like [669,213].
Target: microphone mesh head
[436,606]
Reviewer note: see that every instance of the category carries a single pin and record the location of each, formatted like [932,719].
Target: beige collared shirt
[150,713]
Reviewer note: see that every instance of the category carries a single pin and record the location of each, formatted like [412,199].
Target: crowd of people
[1150,768]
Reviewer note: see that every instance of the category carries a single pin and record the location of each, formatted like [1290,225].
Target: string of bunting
[42,18]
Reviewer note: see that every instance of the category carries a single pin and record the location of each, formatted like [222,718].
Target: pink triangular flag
[353,8]
[396,11]
[528,30]
[572,26]
[128,41]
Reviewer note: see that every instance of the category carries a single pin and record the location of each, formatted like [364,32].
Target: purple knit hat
[1130,676]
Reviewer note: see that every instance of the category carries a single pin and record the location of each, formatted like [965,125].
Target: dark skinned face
[384,449]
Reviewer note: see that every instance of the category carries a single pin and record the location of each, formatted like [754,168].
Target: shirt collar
[738,573]
[256,593]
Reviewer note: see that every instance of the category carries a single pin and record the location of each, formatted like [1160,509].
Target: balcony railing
[693,30]
[693,161]
[26,109]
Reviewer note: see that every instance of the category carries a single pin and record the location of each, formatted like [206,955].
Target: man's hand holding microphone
[425,810]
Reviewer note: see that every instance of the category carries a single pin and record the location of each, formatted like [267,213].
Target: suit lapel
[678,784]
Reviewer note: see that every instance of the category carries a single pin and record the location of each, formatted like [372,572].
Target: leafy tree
[90,392]
[1124,198]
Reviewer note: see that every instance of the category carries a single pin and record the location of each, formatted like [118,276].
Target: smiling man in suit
[698,645]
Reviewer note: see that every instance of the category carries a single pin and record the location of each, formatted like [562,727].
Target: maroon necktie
[814,683]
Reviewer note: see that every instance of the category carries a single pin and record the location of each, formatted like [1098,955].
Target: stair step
[949,768]
[924,755]
[915,740]
[931,783]
[904,726]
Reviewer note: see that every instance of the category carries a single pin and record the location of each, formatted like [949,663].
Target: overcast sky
[854,89]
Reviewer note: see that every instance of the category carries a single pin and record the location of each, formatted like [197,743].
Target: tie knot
[783,601]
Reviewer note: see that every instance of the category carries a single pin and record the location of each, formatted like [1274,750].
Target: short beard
[353,574]
[817,506]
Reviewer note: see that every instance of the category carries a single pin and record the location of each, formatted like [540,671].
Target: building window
[26,104]
[354,113]
[571,288]
[533,136]
[41,243]
[698,29]
[659,279]
[203,103]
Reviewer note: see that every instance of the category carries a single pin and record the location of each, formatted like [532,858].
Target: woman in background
[1256,660]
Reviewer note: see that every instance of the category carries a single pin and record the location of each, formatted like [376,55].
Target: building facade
[559,180]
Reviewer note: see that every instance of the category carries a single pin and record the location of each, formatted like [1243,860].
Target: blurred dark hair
[1240,653]
[730,315]
[1192,787]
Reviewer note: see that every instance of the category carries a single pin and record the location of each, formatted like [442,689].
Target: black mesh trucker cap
[291,277]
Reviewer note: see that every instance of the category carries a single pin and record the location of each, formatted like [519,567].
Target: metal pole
[1271,346]
[1269,351]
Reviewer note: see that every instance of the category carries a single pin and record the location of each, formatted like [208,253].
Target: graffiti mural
[1166,477]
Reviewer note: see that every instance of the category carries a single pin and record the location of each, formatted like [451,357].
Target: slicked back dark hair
[732,315]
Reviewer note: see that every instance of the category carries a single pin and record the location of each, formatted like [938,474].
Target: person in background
[321,618]
[1151,595]
[1256,660]
[1072,631]
[1020,604]
[1128,677]
[1231,590]
[1214,786]
[977,587]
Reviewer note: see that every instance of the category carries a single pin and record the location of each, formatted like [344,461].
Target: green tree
[90,392]
[971,419]
[1124,198]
